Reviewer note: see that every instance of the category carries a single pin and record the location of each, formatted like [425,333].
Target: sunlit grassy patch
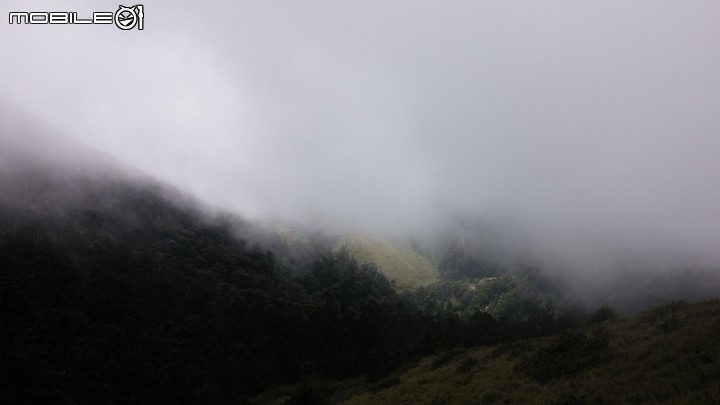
[398,261]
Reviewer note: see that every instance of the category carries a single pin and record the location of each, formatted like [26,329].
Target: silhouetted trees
[123,297]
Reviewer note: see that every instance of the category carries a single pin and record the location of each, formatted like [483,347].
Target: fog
[592,127]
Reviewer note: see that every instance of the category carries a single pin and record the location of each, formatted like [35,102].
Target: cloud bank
[596,125]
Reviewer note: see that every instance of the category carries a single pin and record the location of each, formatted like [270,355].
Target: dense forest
[118,291]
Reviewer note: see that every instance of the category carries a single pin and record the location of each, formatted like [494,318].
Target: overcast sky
[574,117]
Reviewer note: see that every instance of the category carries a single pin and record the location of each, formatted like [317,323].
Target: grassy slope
[667,355]
[398,261]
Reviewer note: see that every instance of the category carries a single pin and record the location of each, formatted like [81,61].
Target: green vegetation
[398,261]
[125,292]
[628,361]
[119,292]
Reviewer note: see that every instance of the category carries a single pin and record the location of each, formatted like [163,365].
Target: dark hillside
[667,355]
[114,290]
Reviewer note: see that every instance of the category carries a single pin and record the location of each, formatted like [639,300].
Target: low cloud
[593,126]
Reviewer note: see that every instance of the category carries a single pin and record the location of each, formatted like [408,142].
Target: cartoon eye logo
[126,18]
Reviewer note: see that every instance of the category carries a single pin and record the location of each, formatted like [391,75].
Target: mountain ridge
[118,288]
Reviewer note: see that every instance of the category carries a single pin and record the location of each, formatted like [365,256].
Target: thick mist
[590,130]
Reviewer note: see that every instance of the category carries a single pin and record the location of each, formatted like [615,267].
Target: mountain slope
[670,354]
[398,261]
[115,288]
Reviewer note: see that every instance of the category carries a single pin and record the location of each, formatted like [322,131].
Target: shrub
[566,354]
[466,365]
[603,314]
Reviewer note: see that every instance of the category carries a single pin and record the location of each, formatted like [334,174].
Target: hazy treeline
[112,293]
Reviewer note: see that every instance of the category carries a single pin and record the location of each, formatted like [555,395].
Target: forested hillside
[118,289]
